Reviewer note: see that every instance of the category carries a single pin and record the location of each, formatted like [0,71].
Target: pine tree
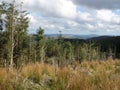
[16,24]
[40,45]
[21,36]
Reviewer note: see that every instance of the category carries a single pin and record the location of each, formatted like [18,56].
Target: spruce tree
[16,24]
[40,45]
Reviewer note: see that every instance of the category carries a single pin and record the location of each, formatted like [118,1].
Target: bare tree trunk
[42,54]
[30,48]
[12,37]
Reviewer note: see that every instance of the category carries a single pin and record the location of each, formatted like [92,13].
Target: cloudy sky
[74,16]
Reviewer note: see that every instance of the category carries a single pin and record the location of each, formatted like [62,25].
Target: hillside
[71,36]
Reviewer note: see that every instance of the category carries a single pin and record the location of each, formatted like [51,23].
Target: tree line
[17,47]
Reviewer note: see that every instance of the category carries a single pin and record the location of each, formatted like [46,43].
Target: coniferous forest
[36,62]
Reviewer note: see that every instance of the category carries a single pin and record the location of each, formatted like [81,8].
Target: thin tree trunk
[12,37]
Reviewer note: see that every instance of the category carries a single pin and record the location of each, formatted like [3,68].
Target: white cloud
[64,15]
[52,8]
[33,21]
[85,16]
[72,23]
[100,25]
[102,21]
[107,16]
[90,26]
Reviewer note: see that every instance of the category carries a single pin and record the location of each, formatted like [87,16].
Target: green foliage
[40,45]
[19,43]
[38,48]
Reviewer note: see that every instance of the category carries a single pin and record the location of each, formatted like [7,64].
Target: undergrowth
[95,75]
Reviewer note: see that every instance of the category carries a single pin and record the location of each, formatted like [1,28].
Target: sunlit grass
[94,75]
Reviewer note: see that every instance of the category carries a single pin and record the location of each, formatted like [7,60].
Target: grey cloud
[99,4]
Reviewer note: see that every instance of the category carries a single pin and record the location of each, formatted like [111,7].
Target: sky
[81,17]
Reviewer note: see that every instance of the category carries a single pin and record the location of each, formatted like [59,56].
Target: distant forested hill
[106,43]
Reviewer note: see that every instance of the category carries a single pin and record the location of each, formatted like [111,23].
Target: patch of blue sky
[117,11]
[81,9]
[84,9]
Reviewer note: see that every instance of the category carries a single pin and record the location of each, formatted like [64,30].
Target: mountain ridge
[75,36]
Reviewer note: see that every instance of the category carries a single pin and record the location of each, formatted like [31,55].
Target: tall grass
[95,75]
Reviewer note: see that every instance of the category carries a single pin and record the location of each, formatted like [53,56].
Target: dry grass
[96,75]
